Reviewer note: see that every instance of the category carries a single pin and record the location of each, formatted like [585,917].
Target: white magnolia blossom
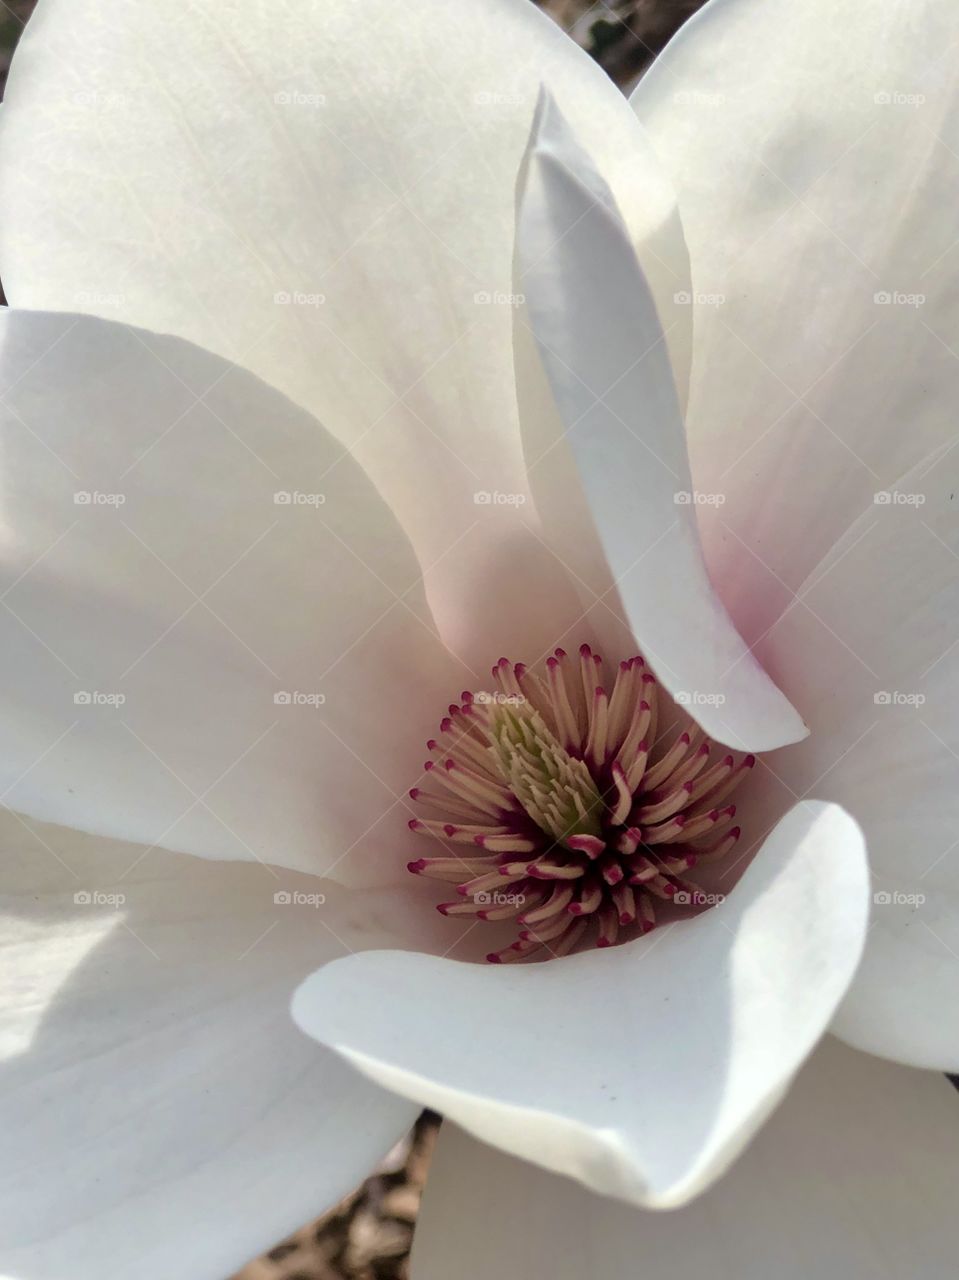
[677,380]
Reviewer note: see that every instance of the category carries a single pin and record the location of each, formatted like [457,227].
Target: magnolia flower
[658,383]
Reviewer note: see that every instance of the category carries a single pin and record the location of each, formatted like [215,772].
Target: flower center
[560,809]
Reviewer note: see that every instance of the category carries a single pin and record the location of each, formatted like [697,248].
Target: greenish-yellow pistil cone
[554,788]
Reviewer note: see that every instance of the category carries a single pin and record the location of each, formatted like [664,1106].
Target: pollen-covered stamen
[555,789]
[559,810]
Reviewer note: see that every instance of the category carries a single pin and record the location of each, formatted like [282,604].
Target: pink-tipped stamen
[557,809]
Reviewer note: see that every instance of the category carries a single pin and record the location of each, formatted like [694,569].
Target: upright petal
[600,341]
[322,193]
[640,1071]
[854,1176]
[213,628]
[870,648]
[815,151]
[161,1115]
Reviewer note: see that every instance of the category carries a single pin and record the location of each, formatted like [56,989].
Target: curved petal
[334,212]
[548,1061]
[205,609]
[814,150]
[161,1115]
[870,648]
[820,1192]
[601,343]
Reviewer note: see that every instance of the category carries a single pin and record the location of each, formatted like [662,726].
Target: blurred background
[368,1236]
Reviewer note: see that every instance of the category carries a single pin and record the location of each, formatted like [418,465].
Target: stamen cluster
[561,810]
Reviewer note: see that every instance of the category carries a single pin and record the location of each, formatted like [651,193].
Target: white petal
[870,650]
[368,183]
[642,1070]
[813,147]
[161,1115]
[602,349]
[276,660]
[854,1176]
